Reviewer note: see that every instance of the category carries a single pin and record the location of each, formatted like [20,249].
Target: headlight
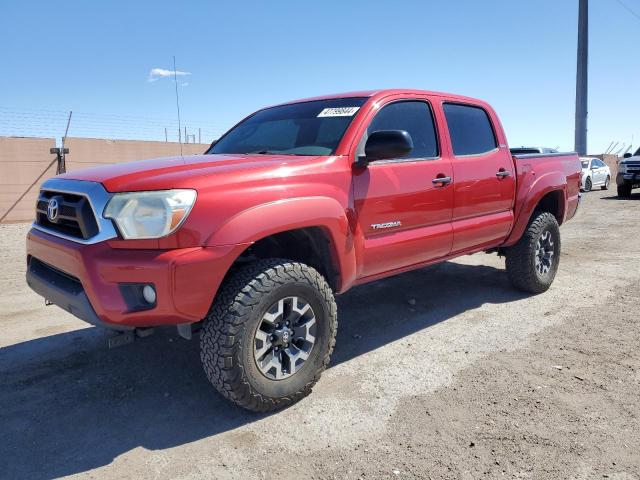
[622,167]
[150,214]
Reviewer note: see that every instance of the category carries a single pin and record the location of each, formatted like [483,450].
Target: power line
[628,9]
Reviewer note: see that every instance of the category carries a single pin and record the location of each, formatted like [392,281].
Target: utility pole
[581,78]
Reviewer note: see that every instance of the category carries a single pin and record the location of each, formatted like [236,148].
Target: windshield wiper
[269,152]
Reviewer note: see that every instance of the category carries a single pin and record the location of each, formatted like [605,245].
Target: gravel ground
[445,372]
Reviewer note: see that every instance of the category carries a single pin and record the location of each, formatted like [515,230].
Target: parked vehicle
[628,176]
[595,173]
[524,150]
[296,203]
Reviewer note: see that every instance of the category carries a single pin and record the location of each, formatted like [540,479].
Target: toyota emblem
[52,210]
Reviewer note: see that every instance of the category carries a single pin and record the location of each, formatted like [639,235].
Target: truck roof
[386,92]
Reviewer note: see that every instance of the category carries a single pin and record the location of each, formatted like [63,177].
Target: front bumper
[631,177]
[185,279]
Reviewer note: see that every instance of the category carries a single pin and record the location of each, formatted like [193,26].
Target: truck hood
[180,172]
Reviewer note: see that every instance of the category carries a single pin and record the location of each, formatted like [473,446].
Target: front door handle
[442,181]
[503,173]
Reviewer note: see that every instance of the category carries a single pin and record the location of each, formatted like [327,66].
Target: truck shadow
[635,195]
[68,405]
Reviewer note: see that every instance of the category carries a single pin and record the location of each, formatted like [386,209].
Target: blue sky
[95,58]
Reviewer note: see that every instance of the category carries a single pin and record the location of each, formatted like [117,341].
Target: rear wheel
[532,263]
[607,182]
[269,334]
[588,185]
[624,190]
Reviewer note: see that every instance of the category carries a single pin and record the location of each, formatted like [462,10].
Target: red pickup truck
[249,242]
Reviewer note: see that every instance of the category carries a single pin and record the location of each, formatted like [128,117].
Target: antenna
[175,78]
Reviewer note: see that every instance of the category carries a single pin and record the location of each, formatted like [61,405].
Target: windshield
[585,163]
[306,128]
[637,154]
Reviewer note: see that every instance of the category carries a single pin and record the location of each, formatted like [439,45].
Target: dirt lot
[446,372]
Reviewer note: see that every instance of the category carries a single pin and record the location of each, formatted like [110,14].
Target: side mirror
[627,155]
[385,144]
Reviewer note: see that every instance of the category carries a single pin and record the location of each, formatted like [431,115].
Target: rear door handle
[503,173]
[441,181]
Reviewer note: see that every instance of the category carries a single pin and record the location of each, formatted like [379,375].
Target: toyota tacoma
[248,243]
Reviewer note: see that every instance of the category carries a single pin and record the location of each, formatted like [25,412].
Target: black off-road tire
[227,338]
[520,258]
[624,190]
[606,183]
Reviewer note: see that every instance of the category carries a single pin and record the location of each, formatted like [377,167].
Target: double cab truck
[248,243]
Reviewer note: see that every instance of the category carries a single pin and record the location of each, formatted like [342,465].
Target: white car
[595,173]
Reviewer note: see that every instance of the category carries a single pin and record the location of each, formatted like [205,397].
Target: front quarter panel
[268,219]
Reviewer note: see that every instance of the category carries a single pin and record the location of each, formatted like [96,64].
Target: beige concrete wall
[90,152]
[21,161]
[612,161]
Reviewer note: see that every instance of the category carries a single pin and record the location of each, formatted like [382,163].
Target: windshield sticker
[338,112]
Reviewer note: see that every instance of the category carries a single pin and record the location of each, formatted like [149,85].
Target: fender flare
[529,200]
[261,221]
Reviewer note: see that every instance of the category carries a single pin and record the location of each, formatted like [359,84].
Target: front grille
[75,216]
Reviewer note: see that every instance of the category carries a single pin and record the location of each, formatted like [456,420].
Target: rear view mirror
[386,144]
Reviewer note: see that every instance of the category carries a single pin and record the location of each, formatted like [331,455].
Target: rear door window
[470,129]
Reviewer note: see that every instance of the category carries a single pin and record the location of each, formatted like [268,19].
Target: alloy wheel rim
[544,254]
[284,338]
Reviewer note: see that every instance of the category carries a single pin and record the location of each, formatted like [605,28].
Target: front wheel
[532,263]
[269,334]
[588,184]
[607,182]
[624,190]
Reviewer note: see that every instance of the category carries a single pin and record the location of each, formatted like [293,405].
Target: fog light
[149,294]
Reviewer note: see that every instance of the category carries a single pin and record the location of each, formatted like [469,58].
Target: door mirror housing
[627,155]
[386,144]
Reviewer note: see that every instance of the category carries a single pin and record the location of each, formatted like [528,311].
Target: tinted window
[599,163]
[415,118]
[585,163]
[470,129]
[305,128]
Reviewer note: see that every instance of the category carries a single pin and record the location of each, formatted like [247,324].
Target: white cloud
[158,73]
